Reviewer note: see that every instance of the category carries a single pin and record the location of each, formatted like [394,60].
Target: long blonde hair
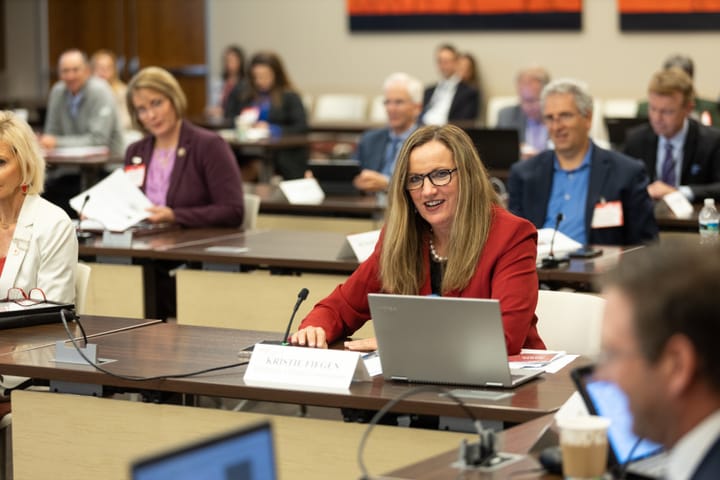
[401,262]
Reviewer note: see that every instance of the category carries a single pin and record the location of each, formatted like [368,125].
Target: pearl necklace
[436,258]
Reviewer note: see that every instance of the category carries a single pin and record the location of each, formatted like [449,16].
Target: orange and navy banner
[414,15]
[655,15]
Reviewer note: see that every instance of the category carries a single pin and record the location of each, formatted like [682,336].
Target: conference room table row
[291,251]
[166,351]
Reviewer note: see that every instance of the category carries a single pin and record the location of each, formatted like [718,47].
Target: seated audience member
[705,111]
[234,82]
[279,109]
[601,194]
[679,153]
[659,345]
[450,99]
[445,234]
[378,149]
[38,246]
[81,109]
[467,70]
[526,117]
[189,174]
[104,65]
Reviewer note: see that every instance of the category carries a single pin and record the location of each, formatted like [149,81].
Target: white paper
[678,204]
[372,363]
[359,245]
[563,243]
[303,191]
[114,202]
[87,151]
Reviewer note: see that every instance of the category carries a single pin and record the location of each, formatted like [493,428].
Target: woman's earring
[24,188]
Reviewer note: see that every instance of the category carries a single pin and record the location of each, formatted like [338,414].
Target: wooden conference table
[168,348]
[299,251]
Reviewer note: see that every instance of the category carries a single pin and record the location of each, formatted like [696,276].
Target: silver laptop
[444,340]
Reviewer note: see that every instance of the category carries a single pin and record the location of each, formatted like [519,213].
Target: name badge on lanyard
[607,214]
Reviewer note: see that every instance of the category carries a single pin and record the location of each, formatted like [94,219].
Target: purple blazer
[205,185]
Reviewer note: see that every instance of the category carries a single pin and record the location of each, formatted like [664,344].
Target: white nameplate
[305,191]
[304,368]
[359,245]
[678,204]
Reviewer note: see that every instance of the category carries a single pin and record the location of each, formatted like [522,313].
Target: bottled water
[708,220]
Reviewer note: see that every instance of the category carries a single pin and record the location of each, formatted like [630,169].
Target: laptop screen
[245,454]
[609,401]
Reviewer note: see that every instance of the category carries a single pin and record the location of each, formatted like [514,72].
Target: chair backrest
[620,107]
[570,321]
[82,278]
[251,210]
[494,105]
[378,114]
[340,107]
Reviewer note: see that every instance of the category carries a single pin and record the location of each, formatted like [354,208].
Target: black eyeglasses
[438,178]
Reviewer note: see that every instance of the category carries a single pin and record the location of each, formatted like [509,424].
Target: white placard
[678,204]
[359,245]
[302,191]
[114,202]
[304,368]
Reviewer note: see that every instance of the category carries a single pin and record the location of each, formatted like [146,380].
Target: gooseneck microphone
[302,296]
[82,235]
[551,261]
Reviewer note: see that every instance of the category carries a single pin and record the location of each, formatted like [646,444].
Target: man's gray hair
[413,86]
[579,91]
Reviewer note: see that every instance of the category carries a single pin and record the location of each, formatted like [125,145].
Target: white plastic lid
[709,202]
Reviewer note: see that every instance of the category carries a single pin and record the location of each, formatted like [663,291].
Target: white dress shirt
[689,452]
[440,102]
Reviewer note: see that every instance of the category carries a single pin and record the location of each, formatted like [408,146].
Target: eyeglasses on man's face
[438,178]
[562,118]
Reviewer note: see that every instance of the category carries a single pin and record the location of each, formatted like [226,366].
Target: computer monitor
[242,454]
[498,148]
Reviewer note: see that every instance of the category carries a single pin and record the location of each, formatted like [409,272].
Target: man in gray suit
[526,117]
[378,149]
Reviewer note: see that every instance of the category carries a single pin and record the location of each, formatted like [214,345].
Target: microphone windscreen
[303,294]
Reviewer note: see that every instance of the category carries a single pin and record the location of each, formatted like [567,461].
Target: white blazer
[43,252]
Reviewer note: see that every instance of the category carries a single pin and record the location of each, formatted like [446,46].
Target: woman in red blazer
[445,234]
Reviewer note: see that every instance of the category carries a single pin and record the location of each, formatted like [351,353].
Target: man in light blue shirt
[601,194]
[378,149]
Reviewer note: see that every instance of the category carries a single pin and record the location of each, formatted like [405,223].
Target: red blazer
[205,184]
[506,271]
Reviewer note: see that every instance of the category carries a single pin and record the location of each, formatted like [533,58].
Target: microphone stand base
[553,262]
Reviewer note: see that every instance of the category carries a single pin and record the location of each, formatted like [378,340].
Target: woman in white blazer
[38,244]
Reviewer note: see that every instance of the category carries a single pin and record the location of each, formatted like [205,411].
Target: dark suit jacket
[205,184]
[709,468]
[290,116]
[513,117]
[613,176]
[371,148]
[701,157]
[465,104]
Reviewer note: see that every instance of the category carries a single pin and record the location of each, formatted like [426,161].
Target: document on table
[562,245]
[549,360]
[115,202]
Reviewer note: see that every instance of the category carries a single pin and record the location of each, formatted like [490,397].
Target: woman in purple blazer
[190,174]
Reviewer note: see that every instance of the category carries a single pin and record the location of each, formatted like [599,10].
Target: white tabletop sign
[678,204]
[304,368]
[359,245]
[305,191]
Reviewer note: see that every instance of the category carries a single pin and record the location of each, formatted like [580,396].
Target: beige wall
[322,55]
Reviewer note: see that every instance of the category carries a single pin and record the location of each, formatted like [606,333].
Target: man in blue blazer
[679,153]
[378,149]
[601,194]
[659,345]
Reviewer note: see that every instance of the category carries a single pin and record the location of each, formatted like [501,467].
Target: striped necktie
[668,167]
